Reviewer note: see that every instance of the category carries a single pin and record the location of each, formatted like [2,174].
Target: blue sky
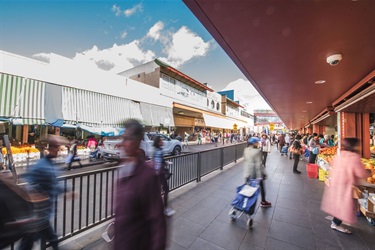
[116,35]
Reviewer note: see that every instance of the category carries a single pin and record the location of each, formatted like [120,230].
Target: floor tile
[292,234]
[201,215]
[200,243]
[216,231]
[273,244]
[185,232]
[299,218]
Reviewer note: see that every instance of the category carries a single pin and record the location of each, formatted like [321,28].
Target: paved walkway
[294,221]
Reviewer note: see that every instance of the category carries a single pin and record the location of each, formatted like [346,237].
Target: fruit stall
[23,153]
[28,153]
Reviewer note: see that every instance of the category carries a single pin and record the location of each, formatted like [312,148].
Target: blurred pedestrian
[42,178]
[265,146]
[346,171]
[160,168]
[140,222]
[73,156]
[253,167]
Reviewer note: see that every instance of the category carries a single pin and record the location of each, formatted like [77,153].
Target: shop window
[217,106]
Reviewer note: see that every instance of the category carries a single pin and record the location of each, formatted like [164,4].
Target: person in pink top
[346,171]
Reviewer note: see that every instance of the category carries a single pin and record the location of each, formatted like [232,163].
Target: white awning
[217,122]
[156,116]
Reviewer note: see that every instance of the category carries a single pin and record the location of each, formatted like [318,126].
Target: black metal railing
[93,193]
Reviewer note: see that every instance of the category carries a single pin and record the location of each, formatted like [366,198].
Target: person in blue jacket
[42,178]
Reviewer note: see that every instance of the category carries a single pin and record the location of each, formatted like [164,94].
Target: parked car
[112,149]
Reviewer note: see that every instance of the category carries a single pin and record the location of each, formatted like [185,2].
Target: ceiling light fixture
[180,112]
[308,102]
[320,81]
[304,111]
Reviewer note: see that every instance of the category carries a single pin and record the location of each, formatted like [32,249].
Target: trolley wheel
[233,214]
[249,223]
[370,221]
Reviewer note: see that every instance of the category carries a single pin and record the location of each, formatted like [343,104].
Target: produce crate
[312,170]
[322,174]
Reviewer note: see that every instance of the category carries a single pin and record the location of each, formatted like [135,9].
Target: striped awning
[96,109]
[156,116]
[22,99]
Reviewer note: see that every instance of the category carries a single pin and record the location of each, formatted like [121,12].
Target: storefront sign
[199,122]
[272,126]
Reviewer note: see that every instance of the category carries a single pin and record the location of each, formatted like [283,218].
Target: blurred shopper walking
[73,156]
[253,167]
[140,222]
[42,178]
[159,165]
[346,171]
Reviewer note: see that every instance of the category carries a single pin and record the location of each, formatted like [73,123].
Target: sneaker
[169,212]
[340,229]
[265,204]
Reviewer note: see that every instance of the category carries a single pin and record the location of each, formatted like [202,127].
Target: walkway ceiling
[282,46]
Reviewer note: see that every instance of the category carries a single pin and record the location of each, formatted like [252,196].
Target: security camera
[334,59]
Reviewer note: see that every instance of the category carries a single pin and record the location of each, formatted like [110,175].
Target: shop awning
[96,109]
[157,116]
[23,99]
[103,131]
[217,122]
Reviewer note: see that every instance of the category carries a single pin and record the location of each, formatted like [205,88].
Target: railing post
[221,158]
[199,165]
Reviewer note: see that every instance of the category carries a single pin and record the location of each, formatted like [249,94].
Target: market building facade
[196,107]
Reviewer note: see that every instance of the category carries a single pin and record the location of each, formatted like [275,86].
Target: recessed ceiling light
[320,82]
[304,111]
[308,102]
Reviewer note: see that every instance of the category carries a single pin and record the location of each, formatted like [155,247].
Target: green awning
[22,99]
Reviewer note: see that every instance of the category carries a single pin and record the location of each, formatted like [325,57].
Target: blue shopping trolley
[245,201]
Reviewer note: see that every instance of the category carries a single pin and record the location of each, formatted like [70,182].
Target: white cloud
[117,58]
[132,11]
[184,46]
[180,47]
[128,12]
[155,31]
[44,57]
[116,10]
[247,94]
[124,34]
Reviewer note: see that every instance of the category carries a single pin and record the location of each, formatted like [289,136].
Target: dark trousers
[71,162]
[47,234]
[262,190]
[296,161]
[165,188]
[337,221]
[312,158]
[264,158]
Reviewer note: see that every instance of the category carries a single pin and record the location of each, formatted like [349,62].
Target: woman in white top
[265,146]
